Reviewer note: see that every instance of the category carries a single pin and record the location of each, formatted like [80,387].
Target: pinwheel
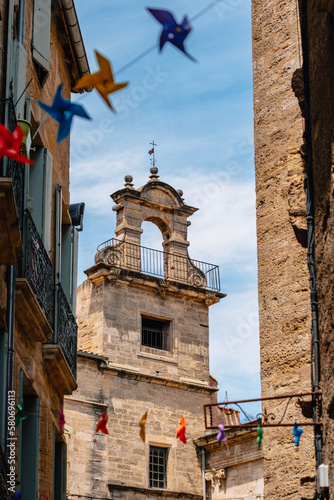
[102,80]
[297,432]
[20,415]
[142,425]
[259,434]
[10,144]
[221,434]
[62,110]
[102,424]
[181,431]
[61,420]
[172,31]
[17,496]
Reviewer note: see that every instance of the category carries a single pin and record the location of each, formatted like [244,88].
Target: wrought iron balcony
[37,268]
[169,266]
[66,329]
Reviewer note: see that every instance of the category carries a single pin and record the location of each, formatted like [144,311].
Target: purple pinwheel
[297,432]
[171,31]
[221,434]
[63,111]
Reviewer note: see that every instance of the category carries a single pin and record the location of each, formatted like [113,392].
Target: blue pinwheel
[221,434]
[297,432]
[63,111]
[172,31]
[17,496]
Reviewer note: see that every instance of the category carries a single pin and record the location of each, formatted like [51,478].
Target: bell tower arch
[144,347]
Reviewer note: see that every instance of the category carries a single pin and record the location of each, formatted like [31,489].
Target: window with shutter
[30,448]
[41,38]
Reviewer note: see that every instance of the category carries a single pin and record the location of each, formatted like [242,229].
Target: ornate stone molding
[216,477]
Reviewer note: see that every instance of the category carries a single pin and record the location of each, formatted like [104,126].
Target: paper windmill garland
[259,434]
[221,434]
[20,415]
[10,144]
[102,80]
[142,425]
[297,432]
[181,431]
[62,110]
[61,420]
[102,424]
[172,31]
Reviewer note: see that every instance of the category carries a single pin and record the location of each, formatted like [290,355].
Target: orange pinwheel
[181,431]
[102,424]
[142,425]
[102,80]
[10,144]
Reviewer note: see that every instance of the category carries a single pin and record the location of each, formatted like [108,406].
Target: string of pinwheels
[103,81]
[63,110]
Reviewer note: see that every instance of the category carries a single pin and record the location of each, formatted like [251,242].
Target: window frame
[166,334]
[151,479]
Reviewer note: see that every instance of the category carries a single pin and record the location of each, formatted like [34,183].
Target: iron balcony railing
[37,268]
[15,169]
[66,329]
[170,266]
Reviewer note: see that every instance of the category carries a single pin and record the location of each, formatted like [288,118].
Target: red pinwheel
[61,420]
[102,424]
[181,431]
[10,144]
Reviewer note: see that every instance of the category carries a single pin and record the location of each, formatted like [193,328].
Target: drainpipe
[203,473]
[315,364]
[10,322]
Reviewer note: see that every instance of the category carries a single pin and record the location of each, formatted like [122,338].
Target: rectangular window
[155,333]
[41,38]
[158,467]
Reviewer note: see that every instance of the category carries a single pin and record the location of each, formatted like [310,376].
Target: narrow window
[158,467]
[155,333]
[41,38]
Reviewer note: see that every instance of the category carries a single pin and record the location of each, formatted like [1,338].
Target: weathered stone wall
[321,35]
[283,279]
[121,458]
[110,324]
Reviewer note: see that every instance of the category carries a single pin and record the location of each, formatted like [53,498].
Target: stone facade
[235,468]
[34,362]
[124,375]
[283,277]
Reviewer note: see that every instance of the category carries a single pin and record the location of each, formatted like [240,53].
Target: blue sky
[201,116]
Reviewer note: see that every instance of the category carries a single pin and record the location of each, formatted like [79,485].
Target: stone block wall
[110,323]
[121,458]
[283,278]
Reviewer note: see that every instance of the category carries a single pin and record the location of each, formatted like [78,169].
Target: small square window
[158,467]
[155,334]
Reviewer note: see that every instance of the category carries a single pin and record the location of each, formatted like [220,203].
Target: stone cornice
[102,272]
[153,492]
[134,374]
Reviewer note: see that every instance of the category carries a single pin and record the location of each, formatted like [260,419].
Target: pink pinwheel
[61,420]
[221,434]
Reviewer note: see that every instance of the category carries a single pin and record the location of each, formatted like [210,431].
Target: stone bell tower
[143,347]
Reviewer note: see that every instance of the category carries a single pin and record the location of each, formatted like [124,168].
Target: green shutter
[3,384]
[41,34]
[60,465]
[30,448]
[40,193]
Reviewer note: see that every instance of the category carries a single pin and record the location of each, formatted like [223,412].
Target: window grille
[158,467]
[155,334]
